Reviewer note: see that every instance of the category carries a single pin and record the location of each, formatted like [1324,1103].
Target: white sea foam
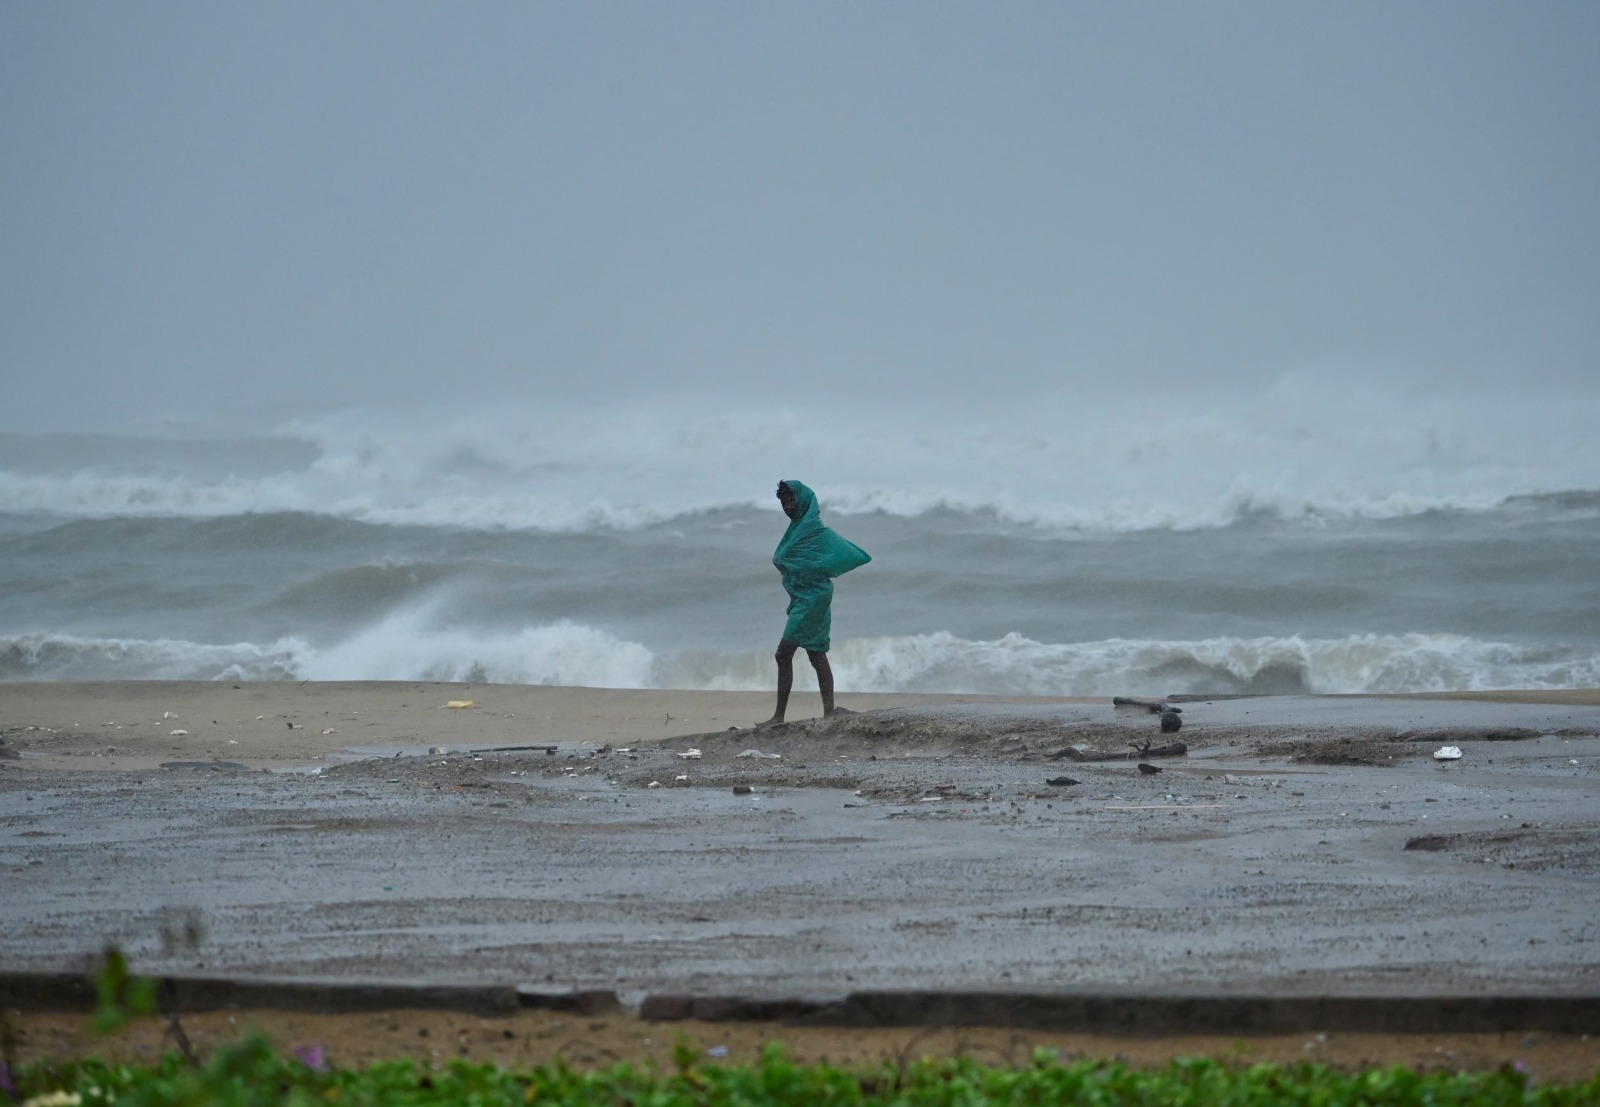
[408,647]
[69,657]
[1309,446]
[400,648]
[1369,663]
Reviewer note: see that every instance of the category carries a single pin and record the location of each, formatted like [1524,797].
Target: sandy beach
[120,725]
[563,840]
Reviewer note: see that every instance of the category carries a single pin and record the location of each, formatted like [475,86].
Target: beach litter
[762,756]
[690,755]
[461,703]
[1061,781]
[180,733]
[653,784]
[1447,753]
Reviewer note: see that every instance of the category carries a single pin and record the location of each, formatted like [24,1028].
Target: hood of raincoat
[808,547]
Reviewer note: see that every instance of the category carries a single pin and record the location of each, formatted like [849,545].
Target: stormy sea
[1303,540]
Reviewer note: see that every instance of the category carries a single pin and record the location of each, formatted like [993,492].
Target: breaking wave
[564,653]
[1368,663]
[67,657]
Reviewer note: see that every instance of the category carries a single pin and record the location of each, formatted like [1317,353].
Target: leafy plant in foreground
[120,995]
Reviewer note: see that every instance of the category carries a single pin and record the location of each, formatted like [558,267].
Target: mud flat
[1305,849]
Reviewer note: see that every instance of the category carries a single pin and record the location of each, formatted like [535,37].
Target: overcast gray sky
[227,214]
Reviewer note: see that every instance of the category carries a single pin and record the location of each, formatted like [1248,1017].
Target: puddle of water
[568,783]
[367,753]
[549,749]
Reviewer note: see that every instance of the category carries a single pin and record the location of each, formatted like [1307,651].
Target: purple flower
[313,1057]
[8,1085]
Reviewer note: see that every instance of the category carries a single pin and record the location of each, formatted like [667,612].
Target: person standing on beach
[808,557]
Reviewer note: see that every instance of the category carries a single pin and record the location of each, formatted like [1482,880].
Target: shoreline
[130,725]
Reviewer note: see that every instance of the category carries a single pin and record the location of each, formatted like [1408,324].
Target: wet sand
[1303,846]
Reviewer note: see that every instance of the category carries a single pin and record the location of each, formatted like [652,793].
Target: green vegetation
[250,1072]
[120,994]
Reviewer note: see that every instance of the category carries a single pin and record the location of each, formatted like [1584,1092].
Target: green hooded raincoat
[809,556]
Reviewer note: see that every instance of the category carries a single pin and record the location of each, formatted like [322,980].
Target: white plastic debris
[330,730]
[180,733]
[459,704]
[690,755]
[682,778]
[168,715]
[762,756]
[653,784]
[1447,753]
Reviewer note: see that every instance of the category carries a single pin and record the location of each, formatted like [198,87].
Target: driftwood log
[1155,707]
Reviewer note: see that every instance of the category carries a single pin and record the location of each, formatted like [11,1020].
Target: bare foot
[776,720]
[840,711]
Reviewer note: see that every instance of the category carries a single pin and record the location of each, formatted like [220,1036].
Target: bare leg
[819,662]
[785,659]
